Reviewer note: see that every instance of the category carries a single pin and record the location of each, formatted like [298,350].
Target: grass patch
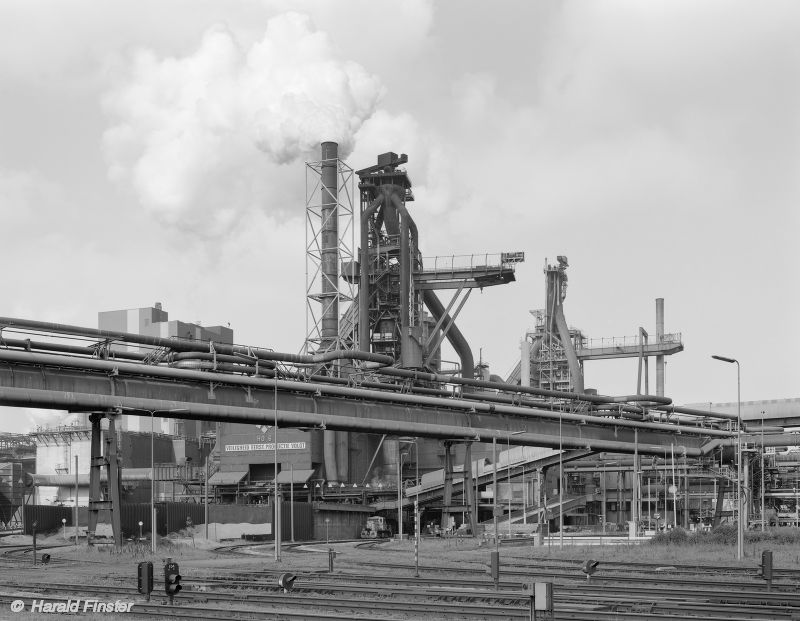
[136,551]
[726,535]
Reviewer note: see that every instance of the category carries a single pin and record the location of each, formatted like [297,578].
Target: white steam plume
[186,130]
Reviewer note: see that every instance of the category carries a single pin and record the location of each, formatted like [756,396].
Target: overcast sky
[154,151]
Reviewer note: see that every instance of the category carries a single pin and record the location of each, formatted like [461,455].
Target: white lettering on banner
[270,446]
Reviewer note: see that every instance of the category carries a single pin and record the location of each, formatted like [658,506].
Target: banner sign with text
[269,446]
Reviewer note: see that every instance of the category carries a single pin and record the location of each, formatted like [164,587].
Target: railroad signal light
[145,578]
[766,565]
[286,582]
[172,579]
[589,567]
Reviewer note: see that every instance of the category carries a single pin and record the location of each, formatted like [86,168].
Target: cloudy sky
[154,151]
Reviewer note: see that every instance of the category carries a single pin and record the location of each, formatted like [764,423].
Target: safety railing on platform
[472,262]
[628,341]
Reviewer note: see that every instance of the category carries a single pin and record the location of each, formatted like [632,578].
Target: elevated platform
[628,347]
[467,271]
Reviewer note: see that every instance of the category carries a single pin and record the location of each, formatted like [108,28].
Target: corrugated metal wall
[303,522]
[171,517]
[47,517]
[340,524]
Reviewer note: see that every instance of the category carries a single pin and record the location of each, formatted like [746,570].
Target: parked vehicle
[376,528]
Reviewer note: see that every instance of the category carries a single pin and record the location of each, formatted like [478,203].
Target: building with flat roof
[154,321]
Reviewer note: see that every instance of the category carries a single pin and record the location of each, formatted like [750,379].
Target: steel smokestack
[330,246]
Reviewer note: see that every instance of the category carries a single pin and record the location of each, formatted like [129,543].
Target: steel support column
[447,492]
[99,461]
[469,489]
[96,462]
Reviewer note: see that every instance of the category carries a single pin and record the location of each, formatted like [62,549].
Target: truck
[376,528]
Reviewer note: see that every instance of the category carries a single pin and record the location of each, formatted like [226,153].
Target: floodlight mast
[740,524]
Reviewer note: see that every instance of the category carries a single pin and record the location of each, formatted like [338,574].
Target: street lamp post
[560,485]
[740,525]
[400,458]
[152,467]
[763,491]
[399,491]
[494,495]
[276,526]
[152,485]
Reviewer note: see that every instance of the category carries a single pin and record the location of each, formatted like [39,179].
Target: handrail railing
[473,262]
[628,341]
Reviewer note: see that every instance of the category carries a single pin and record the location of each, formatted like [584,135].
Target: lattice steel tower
[330,239]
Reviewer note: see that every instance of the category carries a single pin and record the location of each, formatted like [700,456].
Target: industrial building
[154,321]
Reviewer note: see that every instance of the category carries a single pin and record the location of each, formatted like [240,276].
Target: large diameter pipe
[676,409]
[435,377]
[45,399]
[408,247]
[58,480]
[329,251]
[525,363]
[187,361]
[572,358]
[191,345]
[79,350]
[337,391]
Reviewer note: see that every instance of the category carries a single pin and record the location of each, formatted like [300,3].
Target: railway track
[786,582]
[360,589]
[259,601]
[359,601]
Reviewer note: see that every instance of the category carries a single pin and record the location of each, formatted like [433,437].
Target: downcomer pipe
[572,358]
